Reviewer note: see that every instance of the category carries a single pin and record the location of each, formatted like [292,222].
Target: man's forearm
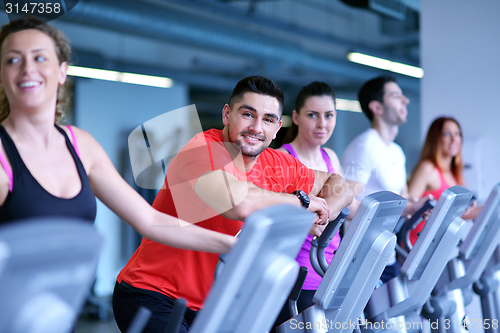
[336,193]
[236,199]
[258,198]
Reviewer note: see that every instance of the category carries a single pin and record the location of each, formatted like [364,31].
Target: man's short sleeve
[291,173]
[193,162]
[199,156]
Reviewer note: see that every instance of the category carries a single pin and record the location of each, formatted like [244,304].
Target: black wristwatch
[303,197]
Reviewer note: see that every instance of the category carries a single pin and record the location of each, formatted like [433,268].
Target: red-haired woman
[440,166]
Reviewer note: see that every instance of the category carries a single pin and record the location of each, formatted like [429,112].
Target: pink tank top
[313,279]
[436,194]
[444,186]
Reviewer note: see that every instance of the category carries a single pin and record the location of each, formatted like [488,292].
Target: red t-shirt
[189,274]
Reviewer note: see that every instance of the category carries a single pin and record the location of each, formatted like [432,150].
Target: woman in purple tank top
[314,120]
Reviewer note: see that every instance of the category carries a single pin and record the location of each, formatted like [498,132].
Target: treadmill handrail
[319,244]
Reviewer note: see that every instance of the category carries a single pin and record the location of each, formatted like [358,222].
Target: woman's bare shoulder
[330,152]
[427,167]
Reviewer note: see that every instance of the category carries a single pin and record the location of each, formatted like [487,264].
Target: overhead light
[102,74]
[388,65]
[348,105]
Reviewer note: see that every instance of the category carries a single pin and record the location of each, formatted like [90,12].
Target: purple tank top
[313,279]
[292,152]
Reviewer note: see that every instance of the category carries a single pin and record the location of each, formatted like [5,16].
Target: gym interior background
[206,46]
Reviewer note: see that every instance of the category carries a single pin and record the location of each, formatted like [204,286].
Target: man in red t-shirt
[216,181]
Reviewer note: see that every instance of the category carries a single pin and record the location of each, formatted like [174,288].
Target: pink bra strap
[8,171]
[75,145]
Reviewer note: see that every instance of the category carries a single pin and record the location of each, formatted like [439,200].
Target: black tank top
[29,199]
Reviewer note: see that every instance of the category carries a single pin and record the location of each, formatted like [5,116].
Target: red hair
[430,149]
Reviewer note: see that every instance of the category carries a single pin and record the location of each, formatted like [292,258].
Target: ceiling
[211,44]
[291,41]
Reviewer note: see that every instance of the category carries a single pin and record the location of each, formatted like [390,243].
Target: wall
[460,57]
[460,53]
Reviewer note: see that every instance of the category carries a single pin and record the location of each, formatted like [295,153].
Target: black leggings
[127,300]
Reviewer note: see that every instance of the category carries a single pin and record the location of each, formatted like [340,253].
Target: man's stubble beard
[245,152]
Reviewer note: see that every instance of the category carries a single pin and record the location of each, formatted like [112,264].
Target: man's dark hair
[257,84]
[315,88]
[373,90]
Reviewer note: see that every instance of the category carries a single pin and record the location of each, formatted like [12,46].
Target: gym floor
[96,316]
[93,325]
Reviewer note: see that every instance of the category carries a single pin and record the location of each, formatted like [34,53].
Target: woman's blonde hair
[63,51]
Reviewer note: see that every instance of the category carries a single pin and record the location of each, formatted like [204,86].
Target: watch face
[303,197]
